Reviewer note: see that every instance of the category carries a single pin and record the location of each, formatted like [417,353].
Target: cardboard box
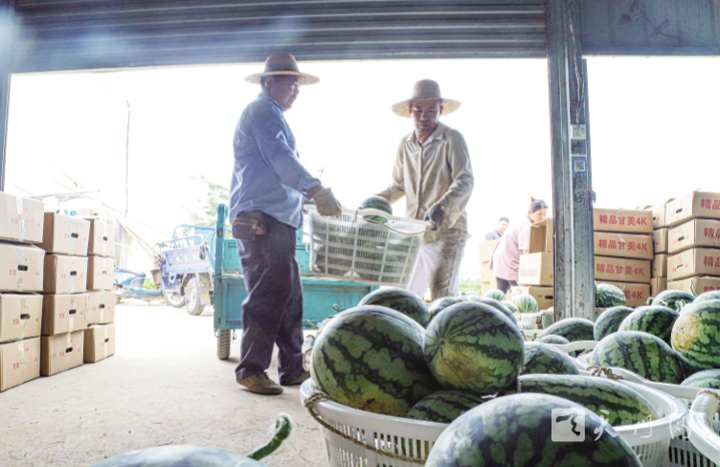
[693,262]
[541,236]
[659,220]
[61,352]
[65,274]
[657,285]
[100,273]
[609,269]
[623,245]
[536,269]
[20,316]
[99,343]
[101,307]
[21,268]
[700,284]
[635,294]
[486,274]
[102,239]
[659,265]
[698,204]
[486,250]
[543,295]
[64,313]
[697,232]
[65,235]
[21,219]
[19,362]
[660,241]
[623,220]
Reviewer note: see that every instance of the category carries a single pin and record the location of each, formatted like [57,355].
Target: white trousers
[438,265]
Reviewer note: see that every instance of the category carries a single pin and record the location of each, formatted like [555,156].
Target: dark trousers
[505,285]
[273,309]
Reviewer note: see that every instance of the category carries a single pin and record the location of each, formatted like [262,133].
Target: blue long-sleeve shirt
[268,175]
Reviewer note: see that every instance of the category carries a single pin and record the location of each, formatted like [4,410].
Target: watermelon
[526,303]
[400,300]
[674,299]
[639,352]
[472,346]
[444,406]
[547,318]
[469,296]
[438,305]
[370,358]
[495,294]
[515,431]
[379,203]
[655,320]
[546,359]
[712,295]
[696,335]
[709,379]
[498,306]
[553,339]
[609,321]
[510,306]
[572,329]
[608,296]
[617,403]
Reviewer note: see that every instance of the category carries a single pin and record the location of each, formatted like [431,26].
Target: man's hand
[435,215]
[327,204]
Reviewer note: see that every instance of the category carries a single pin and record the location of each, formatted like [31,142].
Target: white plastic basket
[703,428]
[414,438]
[354,249]
[526,321]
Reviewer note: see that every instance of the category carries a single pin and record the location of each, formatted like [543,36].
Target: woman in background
[505,262]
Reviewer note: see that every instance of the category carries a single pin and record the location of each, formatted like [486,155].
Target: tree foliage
[208,205]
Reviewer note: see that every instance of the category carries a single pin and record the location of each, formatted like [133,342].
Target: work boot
[261,384]
[299,380]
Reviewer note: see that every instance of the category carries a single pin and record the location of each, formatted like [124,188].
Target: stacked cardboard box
[100,335]
[624,251]
[65,304]
[21,274]
[489,282]
[536,268]
[660,249]
[694,242]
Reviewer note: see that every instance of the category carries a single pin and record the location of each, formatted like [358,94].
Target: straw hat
[425,89]
[282,64]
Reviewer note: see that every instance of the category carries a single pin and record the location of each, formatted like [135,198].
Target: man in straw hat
[432,169]
[267,191]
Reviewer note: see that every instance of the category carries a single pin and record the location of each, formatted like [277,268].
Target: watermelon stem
[283,428]
[692,288]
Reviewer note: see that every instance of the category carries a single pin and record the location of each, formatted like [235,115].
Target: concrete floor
[163,386]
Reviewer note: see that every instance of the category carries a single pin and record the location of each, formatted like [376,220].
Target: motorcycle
[129,284]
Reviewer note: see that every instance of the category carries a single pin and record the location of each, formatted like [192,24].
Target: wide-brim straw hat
[282,64]
[425,89]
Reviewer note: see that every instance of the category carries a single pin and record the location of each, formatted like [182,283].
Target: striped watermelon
[674,299]
[608,296]
[709,379]
[526,303]
[400,300]
[438,305]
[495,294]
[444,406]
[472,346]
[498,306]
[641,353]
[617,403]
[572,329]
[510,306]
[712,295]
[469,296]
[514,431]
[546,359]
[371,358]
[655,320]
[696,335]
[553,339]
[609,321]
[379,203]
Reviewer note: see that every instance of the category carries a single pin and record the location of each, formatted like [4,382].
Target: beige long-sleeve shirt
[437,171]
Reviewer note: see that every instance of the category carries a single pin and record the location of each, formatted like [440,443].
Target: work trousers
[438,265]
[273,309]
[504,284]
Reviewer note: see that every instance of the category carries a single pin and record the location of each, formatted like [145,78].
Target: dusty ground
[164,386]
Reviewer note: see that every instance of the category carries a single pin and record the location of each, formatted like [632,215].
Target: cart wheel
[223,344]
[193,302]
[174,299]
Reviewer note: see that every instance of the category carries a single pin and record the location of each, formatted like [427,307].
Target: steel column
[572,200]
[7,20]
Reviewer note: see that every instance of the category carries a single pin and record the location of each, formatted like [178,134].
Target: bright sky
[654,125]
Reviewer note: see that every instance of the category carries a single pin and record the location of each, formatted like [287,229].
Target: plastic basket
[527,321]
[415,438]
[354,249]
